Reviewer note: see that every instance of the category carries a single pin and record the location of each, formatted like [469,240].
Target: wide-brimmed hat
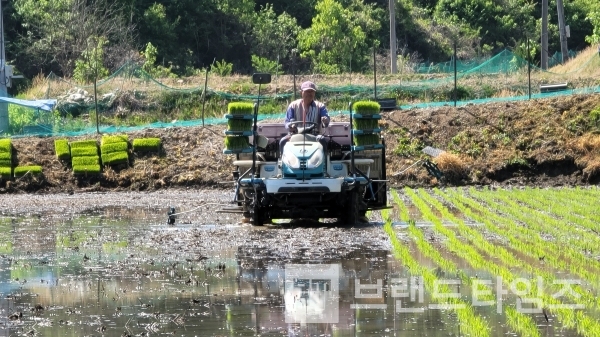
[308,85]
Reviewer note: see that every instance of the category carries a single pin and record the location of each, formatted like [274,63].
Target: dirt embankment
[549,142]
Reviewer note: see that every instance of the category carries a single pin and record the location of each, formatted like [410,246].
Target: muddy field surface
[548,142]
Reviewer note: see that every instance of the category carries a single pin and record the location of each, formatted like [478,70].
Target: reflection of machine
[342,181]
[312,293]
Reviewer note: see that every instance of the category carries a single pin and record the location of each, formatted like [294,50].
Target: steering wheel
[308,126]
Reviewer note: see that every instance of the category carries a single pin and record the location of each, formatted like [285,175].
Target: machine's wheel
[351,213]
[258,215]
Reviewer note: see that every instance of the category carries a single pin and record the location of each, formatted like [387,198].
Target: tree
[338,37]
[273,36]
[58,31]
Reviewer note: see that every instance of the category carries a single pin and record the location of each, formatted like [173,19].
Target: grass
[5,145]
[20,171]
[364,124]
[146,144]
[5,172]
[363,140]
[85,160]
[83,144]
[114,147]
[366,107]
[62,149]
[83,151]
[236,142]
[86,169]
[114,158]
[240,108]
[239,124]
[110,139]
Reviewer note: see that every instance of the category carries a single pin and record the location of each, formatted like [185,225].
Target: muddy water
[120,270]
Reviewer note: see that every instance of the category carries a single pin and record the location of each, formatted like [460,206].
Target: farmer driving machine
[344,180]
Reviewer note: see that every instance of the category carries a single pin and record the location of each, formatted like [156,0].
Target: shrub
[115,158]
[146,144]
[62,149]
[366,107]
[240,108]
[86,169]
[22,170]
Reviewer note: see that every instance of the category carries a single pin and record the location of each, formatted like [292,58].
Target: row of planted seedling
[6,163]
[114,150]
[483,255]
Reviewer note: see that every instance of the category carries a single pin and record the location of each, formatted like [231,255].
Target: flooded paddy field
[447,262]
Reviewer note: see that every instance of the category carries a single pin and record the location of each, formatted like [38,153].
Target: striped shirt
[316,110]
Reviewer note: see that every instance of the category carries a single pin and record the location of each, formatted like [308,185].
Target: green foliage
[594,116]
[146,144]
[5,172]
[236,142]
[90,66]
[87,169]
[273,36]
[221,68]
[150,66]
[264,65]
[62,149]
[85,160]
[18,117]
[366,107]
[594,18]
[240,108]
[407,146]
[20,171]
[114,158]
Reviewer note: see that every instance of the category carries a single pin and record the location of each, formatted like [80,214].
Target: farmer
[306,109]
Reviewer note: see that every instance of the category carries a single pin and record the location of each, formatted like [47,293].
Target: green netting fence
[478,81]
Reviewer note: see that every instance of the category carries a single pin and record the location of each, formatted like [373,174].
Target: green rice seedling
[364,124]
[86,169]
[86,160]
[240,108]
[6,172]
[5,162]
[83,143]
[364,140]
[239,124]
[146,144]
[5,156]
[236,142]
[20,171]
[366,107]
[62,149]
[114,158]
[478,261]
[83,151]
[5,145]
[471,324]
[108,139]
[114,147]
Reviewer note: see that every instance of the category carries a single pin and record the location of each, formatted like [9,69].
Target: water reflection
[119,272]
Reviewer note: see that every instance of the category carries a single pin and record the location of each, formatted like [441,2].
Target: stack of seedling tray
[239,128]
[147,145]
[114,150]
[365,125]
[5,158]
[84,157]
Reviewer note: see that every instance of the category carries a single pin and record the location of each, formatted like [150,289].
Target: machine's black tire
[258,216]
[351,215]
